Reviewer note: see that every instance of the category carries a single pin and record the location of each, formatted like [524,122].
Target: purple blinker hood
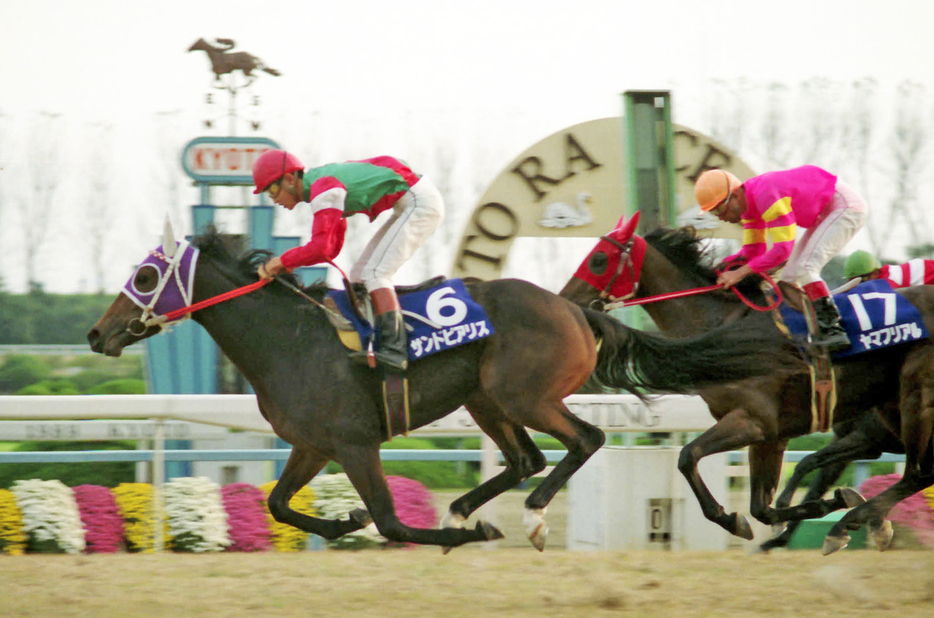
[176,281]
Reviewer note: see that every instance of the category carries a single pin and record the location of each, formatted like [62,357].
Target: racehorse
[766,412]
[224,61]
[542,349]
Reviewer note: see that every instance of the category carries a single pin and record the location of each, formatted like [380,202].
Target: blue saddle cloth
[874,317]
[447,317]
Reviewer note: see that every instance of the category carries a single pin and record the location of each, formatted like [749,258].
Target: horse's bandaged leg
[535,527]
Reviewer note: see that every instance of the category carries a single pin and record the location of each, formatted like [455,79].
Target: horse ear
[168,238]
[624,231]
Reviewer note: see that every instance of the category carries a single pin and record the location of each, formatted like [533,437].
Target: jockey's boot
[393,344]
[830,333]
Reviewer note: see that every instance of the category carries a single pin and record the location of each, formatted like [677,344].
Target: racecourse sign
[572,183]
[224,160]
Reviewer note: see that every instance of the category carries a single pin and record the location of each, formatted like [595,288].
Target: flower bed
[199,516]
[913,512]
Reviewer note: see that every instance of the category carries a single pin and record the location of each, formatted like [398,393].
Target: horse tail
[272,71]
[642,362]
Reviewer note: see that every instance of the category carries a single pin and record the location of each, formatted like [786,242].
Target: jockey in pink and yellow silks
[773,206]
[338,190]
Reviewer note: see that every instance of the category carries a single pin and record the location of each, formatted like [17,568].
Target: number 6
[437,301]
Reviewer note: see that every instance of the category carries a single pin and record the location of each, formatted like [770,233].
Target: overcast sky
[558,62]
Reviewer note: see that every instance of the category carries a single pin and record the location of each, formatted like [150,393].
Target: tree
[99,205]
[41,174]
[908,140]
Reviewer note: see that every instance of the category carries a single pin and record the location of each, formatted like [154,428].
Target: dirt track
[472,582]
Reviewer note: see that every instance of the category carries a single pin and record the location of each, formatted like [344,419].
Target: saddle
[439,314]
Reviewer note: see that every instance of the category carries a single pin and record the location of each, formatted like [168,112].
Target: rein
[704,290]
[178,313]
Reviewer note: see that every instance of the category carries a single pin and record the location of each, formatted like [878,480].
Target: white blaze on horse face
[169,246]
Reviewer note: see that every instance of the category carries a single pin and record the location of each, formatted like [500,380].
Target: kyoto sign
[224,160]
[572,183]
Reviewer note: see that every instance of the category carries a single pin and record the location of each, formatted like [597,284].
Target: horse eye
[146,279]
[598,263]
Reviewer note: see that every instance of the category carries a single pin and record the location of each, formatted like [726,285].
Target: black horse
[765,413]
[328,408]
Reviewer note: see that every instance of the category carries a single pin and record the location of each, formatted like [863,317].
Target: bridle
[171,274]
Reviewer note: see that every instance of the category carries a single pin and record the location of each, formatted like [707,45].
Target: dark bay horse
[764,413]
[544,348]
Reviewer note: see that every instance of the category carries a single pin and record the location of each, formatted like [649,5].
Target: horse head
[161,284]
[610,272]
[200,45]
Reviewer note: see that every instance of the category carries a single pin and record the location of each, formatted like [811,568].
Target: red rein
[710,288]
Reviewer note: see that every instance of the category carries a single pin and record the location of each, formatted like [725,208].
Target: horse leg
[365,470]
[581,440]
[827,474]
[301,467]
[838,454]
[733,431]
[916,403]
[523,460]
[765,467]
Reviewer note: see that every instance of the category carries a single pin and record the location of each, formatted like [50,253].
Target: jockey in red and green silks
[338,190]
[773,206]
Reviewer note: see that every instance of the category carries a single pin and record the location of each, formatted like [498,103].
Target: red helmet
[273,165]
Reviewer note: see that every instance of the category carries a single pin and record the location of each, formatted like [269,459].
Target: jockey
[776,204]
[865,266]
[338,190]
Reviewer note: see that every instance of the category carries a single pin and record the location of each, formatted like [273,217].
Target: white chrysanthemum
[335,497]
[195,514]
[50,513]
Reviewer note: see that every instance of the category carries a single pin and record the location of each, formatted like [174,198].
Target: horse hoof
[835,543]
[452,520]
[741,527]
[882,536]
[488,531]
[851,497]
[361,517]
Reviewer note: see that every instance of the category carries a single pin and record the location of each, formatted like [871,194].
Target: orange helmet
[713,186]
[273,165]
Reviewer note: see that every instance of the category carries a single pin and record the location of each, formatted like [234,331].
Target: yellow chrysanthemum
[284,536]
[12,536]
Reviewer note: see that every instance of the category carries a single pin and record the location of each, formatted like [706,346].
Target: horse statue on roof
[224,62]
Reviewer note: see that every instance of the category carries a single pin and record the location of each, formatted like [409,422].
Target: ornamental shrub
[284,536]
[335,497]
[12,536]
[246,518]
[195,515]
[103,525]
[134,501]
[913,512]
[50,516]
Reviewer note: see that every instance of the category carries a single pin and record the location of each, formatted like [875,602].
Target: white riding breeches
[845,216]
[414,218]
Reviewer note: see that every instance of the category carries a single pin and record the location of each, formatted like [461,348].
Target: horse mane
[242,268]
[686,251]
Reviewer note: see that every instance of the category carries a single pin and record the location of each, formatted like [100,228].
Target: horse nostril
[93,338]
